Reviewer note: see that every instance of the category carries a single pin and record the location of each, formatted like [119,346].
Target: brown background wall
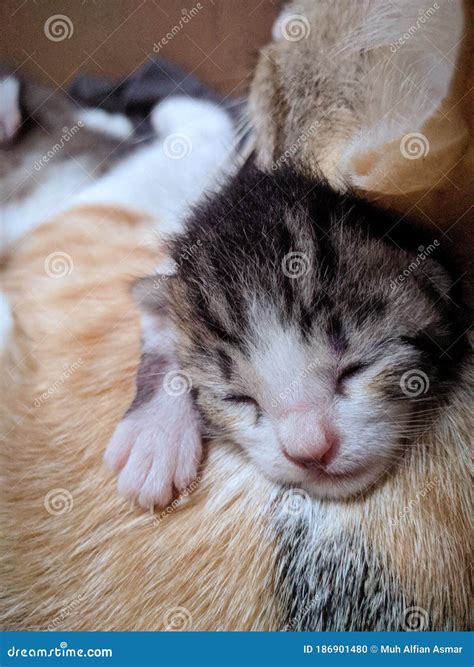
[219,42]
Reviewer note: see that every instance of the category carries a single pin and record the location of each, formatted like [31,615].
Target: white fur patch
[165,178]
[10,114]
[6,321]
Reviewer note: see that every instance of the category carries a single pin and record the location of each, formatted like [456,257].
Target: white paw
[156,449]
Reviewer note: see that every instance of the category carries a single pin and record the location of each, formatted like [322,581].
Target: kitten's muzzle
[308,440]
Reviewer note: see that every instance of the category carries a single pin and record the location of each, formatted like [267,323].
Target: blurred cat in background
[50,148]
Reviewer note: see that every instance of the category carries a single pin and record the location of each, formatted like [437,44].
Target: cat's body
[193,152]
[395,559]
[56,155]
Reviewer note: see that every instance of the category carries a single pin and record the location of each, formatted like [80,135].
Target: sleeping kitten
[301,324]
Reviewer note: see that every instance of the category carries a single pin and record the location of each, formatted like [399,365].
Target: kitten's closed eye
[242,399]
[348,373]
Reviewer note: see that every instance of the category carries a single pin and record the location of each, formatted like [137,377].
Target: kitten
[301,324]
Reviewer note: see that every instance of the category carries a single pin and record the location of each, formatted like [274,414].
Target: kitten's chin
[344,486]
[333,486]
[320,483]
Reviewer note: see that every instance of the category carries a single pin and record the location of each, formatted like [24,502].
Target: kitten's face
[310,342]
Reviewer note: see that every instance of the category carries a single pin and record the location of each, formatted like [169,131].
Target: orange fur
[125,569]
[210,562]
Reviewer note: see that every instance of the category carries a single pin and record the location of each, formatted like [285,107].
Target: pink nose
[307,439]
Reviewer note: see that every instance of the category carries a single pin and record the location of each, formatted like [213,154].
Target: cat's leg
[156,448]
[115,125]
[198,142]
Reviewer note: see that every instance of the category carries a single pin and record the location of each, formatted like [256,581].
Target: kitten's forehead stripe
[225,364]
[336,334]
[371,307]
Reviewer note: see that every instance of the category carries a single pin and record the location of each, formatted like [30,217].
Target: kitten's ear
[440,279]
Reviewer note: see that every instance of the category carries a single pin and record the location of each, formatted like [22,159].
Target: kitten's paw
[156,449]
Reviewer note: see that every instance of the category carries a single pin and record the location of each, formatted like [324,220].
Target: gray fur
[149,379]
[334,582]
